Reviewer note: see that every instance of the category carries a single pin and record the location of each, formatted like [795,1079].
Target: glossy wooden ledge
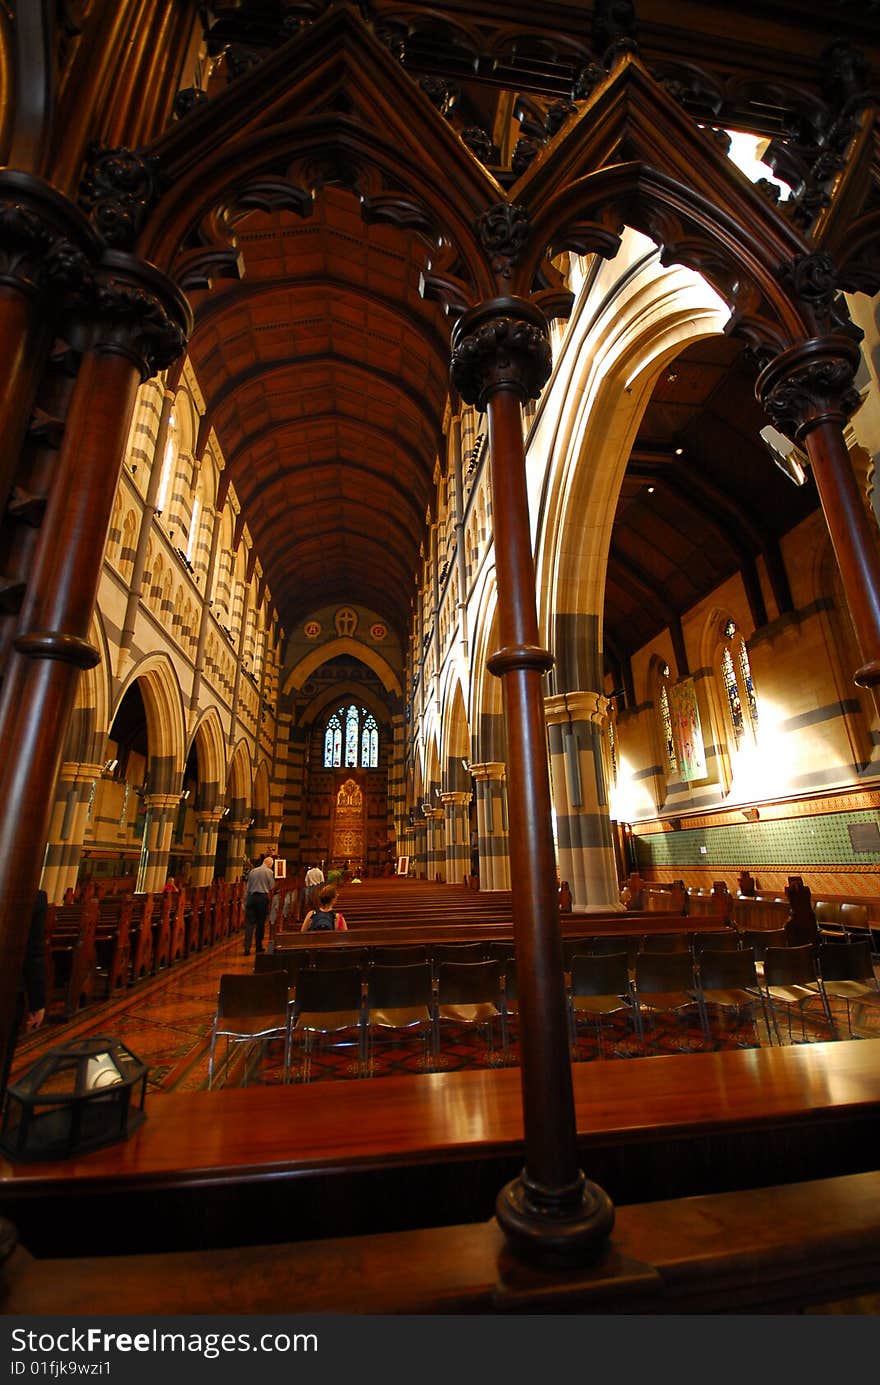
[774,1249]
[194,1139]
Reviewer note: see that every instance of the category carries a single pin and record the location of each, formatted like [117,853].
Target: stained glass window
[668,736]
[736,675]
[333,743]
[370,743]
[612,748]
[361,739]
[745,670]
[351,737]
[728,677]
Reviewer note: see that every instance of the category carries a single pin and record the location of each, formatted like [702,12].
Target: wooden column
[500,359]
[137,322]
[808,392]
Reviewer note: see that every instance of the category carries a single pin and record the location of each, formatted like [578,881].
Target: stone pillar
[162,810]
[501,359]
[237,848]
[420,851]
[437,851]
[207,827]
[458,848]
[492,825]
[585,846]
[396,782]
[67,829]
[808,393]
[133,322]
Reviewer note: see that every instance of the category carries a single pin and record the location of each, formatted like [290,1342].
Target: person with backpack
[324,917]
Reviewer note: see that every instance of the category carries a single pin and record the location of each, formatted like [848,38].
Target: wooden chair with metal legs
[665,942]
[664,985]
[727,981]
[791,982]
[600,989]
[399,955]
[400,999]
[251,1009]
[715,942]
[847,972]
[329,1003]
[469,993]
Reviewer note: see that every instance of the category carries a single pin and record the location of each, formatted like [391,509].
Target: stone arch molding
[163,704]
[210,746]
[344,644]
[646,316]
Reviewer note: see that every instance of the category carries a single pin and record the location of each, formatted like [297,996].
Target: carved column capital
[46,243]
[135,311]
[501,345]
[576,706]
[455,798]
[489,769]
[162,801]
[811,384]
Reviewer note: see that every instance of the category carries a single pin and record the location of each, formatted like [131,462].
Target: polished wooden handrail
[193,1138]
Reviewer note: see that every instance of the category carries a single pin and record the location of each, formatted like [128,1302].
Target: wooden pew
[141,936]
[112,943]
[70,955]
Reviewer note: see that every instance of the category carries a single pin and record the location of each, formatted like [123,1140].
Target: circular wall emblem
[378,631]
[312,629]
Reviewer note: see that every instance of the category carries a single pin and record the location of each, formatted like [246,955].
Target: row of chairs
[784,981]
[284,999]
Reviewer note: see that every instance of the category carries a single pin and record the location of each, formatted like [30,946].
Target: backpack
[323,919]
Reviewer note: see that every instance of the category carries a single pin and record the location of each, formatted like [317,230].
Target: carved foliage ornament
[811,384]
[813,280]
[504,231]
[134,323]
[118,189]
[503,353]
[33,256]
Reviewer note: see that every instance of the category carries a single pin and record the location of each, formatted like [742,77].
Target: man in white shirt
[313,882]
[260,884]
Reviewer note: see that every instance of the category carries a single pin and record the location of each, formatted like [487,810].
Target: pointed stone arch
[343,645]
[239,779]
[210,747]
[163,704]
[639,316]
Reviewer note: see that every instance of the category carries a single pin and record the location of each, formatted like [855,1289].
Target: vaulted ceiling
[325,375]
[325,372]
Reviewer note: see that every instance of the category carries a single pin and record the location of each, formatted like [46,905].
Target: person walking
[258,892]
[313,882]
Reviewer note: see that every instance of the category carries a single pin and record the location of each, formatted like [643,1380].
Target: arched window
[369,743]
[736,679]
[671,757]
[351,739]
[333,743]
